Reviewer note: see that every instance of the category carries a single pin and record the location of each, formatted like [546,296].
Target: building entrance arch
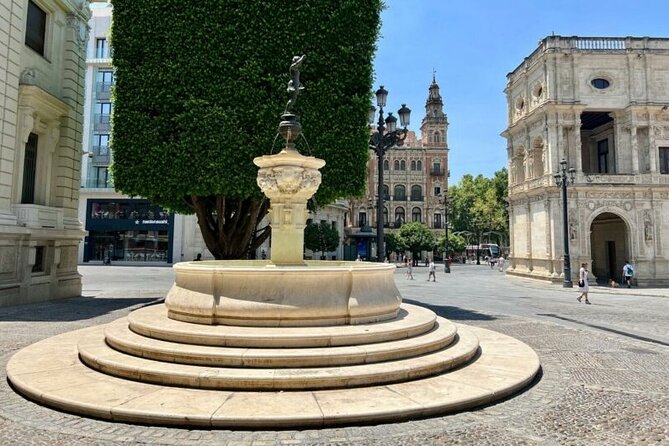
[609,243]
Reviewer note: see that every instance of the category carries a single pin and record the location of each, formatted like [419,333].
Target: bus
[489,250]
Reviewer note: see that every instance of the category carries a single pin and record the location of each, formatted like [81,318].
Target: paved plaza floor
[604,379]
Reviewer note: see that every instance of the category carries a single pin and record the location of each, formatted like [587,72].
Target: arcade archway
[609,243]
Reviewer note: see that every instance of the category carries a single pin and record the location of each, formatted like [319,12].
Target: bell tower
[435,123]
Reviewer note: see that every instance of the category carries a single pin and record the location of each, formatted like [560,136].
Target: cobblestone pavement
[605,367]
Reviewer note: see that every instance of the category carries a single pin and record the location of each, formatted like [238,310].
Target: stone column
[635,150]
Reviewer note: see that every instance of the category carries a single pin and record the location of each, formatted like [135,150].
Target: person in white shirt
[628,272]
[432,271]
[583,285]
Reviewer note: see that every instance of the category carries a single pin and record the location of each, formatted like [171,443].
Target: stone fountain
[275,343]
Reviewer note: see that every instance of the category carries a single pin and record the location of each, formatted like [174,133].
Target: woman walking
[583,285]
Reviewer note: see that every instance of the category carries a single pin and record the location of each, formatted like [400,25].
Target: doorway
[609,244]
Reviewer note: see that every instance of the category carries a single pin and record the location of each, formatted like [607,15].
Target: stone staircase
[148,368]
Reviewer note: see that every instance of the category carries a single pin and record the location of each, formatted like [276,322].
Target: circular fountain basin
[259,293]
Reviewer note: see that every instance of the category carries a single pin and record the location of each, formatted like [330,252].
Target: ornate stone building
[416,177]
[41,104]
[602,104]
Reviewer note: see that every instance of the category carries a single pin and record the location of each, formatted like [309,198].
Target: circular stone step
[98,355]
[153,322]
[50,373]
[121,338]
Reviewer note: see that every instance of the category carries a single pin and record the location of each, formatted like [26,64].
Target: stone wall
[41,94]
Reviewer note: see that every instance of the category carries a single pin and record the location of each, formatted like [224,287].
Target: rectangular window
[101,48]
[437,221]
[100,177]
[437,191]
[101,144]
[35,28]
[29,170]
[664,160]
[38,267]
[603,156]
[362,219]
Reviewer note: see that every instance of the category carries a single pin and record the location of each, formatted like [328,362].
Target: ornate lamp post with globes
[386,136]
[562,181]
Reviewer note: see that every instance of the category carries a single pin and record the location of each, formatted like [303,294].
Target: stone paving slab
[563,407]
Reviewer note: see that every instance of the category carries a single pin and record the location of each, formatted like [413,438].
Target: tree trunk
[230,227]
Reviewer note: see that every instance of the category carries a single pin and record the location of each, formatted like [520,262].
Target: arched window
[386,192]
[403,165]
[419,165]
[413,165]
[436,137]
[399,216]
[386,165]
[396,165]
[385,216]
[437,221]
[416,214]
[400,192]
[416,193]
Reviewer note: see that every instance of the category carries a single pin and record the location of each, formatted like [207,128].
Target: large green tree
[478,204]
[417,237]
[200,86]
[321,237]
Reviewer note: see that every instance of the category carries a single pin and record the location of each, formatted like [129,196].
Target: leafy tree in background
[478,204]
[200,86]
[394,243]
[321,237]
[456,243]
[417,237]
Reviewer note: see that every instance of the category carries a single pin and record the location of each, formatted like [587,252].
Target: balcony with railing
[97,183]
[102,122]
[400,197]
[437,172]
[103,90]
[417,198]
[101,156]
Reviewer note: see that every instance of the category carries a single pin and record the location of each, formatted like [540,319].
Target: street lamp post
[444,200]
[386,136]
[562,181]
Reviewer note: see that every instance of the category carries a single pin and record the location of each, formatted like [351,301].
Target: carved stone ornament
[80,29]
[288,181]
[647,226]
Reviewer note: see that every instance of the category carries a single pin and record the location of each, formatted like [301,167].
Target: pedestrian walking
[500,263]
[583,285]
[628,272]
[432,271]
[409,265]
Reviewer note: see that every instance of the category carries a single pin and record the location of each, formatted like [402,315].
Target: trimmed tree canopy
[200,86]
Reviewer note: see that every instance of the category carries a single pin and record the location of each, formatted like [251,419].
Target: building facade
[601,104]
[118,228]
[416,182]
[41,105]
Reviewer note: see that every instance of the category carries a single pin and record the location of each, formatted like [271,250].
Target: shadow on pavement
[74,309]
[453,313]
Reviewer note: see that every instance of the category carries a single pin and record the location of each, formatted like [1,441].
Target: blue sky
[472,45]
